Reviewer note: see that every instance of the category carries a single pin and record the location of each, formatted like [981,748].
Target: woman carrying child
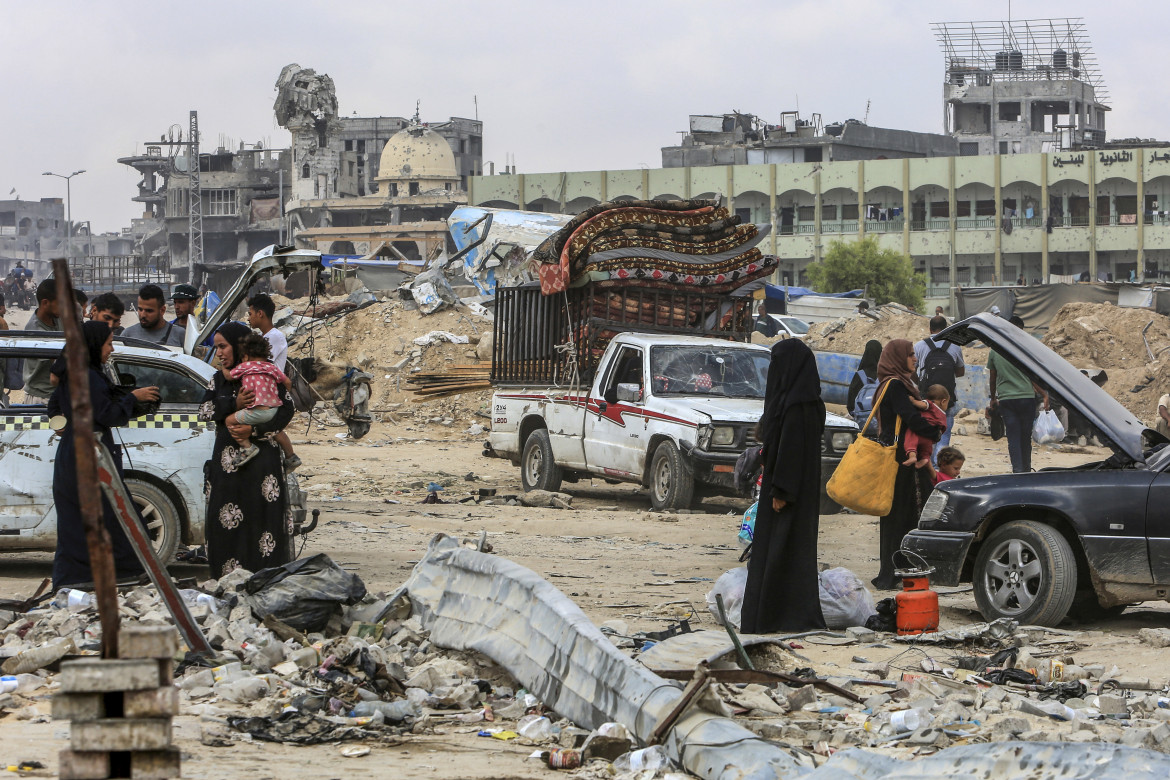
[248,523]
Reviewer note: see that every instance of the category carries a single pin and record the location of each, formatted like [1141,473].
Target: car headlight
[933,510]
[841,441]
[723,436]
[704,436]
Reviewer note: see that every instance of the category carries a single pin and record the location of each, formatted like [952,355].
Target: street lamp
[68,208]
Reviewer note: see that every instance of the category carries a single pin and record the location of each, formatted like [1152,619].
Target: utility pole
[68,209]
[195,202]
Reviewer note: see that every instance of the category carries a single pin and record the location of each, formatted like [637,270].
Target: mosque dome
[417,154]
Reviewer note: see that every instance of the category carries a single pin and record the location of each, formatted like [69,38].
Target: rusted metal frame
[89,496]
[700,680]
[746,676]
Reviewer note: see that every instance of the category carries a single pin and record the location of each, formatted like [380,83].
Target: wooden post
[89,494]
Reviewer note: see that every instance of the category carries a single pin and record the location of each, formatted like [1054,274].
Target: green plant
[886,275]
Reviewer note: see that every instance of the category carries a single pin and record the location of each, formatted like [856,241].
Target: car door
[28,448]
[172,444]
[615,430]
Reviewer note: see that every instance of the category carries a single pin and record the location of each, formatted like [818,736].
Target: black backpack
[938,368]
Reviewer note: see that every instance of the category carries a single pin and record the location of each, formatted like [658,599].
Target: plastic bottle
[534,727]
[40,656]
[394,711]
[653,758]
[243,691]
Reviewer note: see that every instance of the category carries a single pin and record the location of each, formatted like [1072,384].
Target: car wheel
[672,480]
[1025,571]
[159,515]
[538,468]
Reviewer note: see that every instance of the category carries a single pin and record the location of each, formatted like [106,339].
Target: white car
[162,453]
[786,327]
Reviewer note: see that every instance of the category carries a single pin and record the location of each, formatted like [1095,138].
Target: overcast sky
[561,86]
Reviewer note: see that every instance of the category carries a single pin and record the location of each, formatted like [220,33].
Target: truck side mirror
[629,393]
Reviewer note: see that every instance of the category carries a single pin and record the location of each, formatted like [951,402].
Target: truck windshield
[715,370]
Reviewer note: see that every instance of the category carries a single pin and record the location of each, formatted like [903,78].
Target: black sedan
[1090,539]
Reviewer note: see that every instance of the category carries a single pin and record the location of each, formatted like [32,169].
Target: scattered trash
[438,337]
[845,601]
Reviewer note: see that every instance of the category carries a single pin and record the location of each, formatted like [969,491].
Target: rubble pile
[392,340]
[926,700]
[885,323]
[1101,335]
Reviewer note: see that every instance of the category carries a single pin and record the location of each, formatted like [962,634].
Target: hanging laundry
[1028,212]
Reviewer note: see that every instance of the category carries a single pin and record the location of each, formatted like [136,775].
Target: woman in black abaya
[110,410]
[248,522]
[782,591]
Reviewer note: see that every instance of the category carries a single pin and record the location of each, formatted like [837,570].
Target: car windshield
[799,327]
[715,370]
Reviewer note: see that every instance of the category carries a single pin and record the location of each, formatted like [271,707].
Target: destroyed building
[1022,86]
[745,139]
[240,200]
[31,232]
[367,186]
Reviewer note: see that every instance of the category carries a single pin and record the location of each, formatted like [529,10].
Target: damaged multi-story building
[371,185]
[1022,86]
[239,192]
[745,139]
[32,233]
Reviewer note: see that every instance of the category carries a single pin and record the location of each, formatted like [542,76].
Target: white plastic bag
[730,585]
[1047,429]
[845,602]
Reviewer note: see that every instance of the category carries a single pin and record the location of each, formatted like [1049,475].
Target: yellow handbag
[864,479]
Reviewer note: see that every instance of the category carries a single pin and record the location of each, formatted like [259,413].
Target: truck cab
[671,413]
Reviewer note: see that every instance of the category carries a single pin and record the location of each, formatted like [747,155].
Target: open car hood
[1126,434]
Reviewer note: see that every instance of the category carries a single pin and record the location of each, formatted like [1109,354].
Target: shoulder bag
[864,479]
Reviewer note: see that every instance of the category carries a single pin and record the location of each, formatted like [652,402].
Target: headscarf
[96,334]
[892,365]
[869,358]
[232,333]
[792,379]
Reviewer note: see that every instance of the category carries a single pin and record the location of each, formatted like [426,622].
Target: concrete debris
[442,655]
[547,498]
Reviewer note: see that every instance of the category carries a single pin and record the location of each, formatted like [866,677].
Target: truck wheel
[538,469]
[1025,571]
[672,480]
[159,515]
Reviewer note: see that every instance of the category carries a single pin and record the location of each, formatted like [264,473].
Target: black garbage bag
[304,593]
[1004,676]
[886,617]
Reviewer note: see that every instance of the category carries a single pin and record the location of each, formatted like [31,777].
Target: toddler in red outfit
[934,410]
[257,373]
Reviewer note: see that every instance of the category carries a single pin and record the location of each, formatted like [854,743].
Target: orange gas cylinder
[917,604]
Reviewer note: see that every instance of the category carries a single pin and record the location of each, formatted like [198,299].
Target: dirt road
[616,558]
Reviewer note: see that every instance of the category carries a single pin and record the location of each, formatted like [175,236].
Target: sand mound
[850,335]
[1100,335]
[379,339]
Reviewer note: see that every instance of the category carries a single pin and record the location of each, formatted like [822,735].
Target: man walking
[37,385]
[152,324]
[940,363]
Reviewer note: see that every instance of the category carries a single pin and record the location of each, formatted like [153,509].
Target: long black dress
[249,523]
[782,592]
[911,485]
[110,410]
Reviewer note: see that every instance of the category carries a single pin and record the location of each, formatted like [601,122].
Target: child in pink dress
[257,373]
[934,410]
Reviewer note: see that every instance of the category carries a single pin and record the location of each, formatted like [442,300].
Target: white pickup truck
[671,413]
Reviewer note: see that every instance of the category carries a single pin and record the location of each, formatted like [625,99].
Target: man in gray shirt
[152,324]
[37,386]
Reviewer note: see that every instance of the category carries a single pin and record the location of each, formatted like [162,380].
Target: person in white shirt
[260,311]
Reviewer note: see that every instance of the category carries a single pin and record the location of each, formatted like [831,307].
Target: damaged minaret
[306,105]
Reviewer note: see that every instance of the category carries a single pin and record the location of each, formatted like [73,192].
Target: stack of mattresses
[680,245]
